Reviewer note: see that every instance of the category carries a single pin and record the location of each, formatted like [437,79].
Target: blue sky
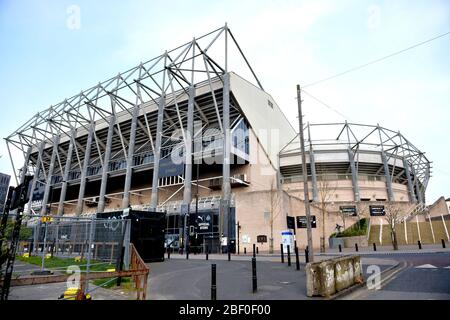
[42,60]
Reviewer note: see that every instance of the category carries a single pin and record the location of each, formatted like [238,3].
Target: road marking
[426,266]
[447,267]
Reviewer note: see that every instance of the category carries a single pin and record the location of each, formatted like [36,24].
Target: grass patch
[126,282]
[61,263]
[358,229]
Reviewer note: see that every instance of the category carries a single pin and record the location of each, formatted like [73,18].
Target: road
[424,276]
[181,279]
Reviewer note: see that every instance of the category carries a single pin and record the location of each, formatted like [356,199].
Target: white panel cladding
[395,162]
[331,156]
[369,157]
[292,160]
[266,119]
[339,156]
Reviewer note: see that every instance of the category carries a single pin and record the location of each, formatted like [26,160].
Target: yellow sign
[46,219]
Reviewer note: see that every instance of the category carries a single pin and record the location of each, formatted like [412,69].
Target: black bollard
[168,252]
[257,250]
[254,250]
[245,250]
[306,255]
[420,244]
[282,253]
[207,255]
[229,254]
[289,255]
[340,248]
[297,262]
[443,243]
[255,281]
[356,247]
[213,282]
[374,247]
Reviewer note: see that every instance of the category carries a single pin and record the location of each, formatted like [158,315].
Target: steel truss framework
[129,120]
[416,168]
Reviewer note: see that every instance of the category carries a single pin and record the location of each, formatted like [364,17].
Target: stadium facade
[183,134]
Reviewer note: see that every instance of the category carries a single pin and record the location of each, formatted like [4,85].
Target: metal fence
[94,239]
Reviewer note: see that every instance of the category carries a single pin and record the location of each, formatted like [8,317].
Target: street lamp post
[305,177]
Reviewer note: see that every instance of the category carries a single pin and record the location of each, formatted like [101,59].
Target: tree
[274,212]
[361,207]
[325,193]
[393,215]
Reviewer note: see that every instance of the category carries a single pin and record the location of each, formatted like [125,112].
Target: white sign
[224,241]
[246,239]
[287,238]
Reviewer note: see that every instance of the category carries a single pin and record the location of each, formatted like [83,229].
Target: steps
[412,233]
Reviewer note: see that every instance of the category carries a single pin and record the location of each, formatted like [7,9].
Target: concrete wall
[438,208]
[342,190]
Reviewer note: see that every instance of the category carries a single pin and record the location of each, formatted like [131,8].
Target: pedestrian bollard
[356,247]
[340,248]
[374,246]
[213,282]
[207,255]
[229,254]
[187,253]
[297,262]
[306,255]
[254,250]
[257,250]
[443,243]
[245,250]
[254,279]
[168,252]
[282,253]
[289,255]
[420,244]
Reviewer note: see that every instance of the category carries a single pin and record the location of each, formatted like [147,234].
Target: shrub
[357,229]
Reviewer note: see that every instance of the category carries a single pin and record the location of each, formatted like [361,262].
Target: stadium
[186,135]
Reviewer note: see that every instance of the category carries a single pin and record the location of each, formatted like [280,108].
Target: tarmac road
[424,276]
[181,279]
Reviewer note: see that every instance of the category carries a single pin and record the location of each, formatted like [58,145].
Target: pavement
[181,279]
[406,249]
[409,274]
[52,291]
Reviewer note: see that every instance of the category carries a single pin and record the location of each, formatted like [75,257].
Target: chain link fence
[102,240]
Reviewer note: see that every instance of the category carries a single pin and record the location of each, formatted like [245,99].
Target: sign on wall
[203,222]
[301,222]
[377,210]
[261,239]
[290,222]
[348,210]
[246,239]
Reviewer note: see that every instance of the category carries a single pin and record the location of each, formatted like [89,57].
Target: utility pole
[305,177]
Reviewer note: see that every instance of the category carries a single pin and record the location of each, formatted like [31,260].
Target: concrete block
[327,277]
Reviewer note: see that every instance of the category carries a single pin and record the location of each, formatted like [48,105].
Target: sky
[50,50]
